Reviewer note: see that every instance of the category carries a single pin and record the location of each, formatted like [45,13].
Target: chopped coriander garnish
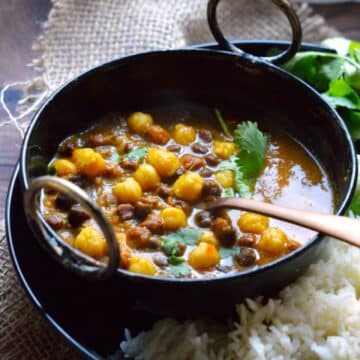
[336,75]
[180,270]
[248,163]
[229,192]
[171,242]
[137,154]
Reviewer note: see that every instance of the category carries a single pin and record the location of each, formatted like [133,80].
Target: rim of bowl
[344,202]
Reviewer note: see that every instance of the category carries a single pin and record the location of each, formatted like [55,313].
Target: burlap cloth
[82,33]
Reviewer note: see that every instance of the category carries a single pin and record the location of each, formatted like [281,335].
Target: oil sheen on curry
[153,173]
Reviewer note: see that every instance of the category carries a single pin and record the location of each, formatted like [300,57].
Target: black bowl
[211,78]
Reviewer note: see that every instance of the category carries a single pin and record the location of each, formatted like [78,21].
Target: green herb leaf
[137,154]
[303,65]
[352,119]
[171,242]
[179,270]
[227,252]
[175,260]
[328,70]
[354,50]
[222,123]
[341,94]
[252,144]
[229,192]
[189,236]
[352,76]
[249,162]
[241,185]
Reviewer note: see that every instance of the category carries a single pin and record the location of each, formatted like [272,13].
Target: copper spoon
[340,227]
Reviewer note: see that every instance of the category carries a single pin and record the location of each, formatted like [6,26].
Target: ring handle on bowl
[285,6]
[59,249]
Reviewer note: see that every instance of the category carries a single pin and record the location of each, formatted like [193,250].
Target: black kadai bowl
[229,79]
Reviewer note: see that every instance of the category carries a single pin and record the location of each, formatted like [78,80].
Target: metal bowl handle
[285,6]
[59,249]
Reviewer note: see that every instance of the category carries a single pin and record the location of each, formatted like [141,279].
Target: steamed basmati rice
[317,317]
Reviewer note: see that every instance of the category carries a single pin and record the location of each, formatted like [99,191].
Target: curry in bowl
[153,174]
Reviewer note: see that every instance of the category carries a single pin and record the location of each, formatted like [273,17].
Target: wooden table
[20,23]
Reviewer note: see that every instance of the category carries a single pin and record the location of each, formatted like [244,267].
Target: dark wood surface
[20,24]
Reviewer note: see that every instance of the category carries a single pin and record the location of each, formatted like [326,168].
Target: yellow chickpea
[140,122]
[253,223]
[225,178]
[184,134]
[188,186]
[208,236]
[88,162]
[128,190]
[141,266]
[165,162]
[204,257]
[91,242]
[147,177]
[64,167]
[224,149]
[174,218]
[273,241]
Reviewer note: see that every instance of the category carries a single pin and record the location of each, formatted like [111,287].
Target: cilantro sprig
[249,161]
[336,76]
[171,244]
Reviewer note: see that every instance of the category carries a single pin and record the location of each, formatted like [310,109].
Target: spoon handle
[340,227]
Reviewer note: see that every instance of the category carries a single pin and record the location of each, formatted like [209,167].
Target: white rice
[317,317]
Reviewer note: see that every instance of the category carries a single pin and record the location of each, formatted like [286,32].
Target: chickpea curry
[153,174]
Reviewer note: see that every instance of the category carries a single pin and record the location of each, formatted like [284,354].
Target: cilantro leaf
[171,242]
[352,119]
[241,185]
[137,154]
[341,95]
[352,76]
[336,75]
[227,252]
[180,270]
[354,50]
[175,260]
[189,236]
[229,192]
[252,144]
[222,123]
[303,65]
[248,163]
